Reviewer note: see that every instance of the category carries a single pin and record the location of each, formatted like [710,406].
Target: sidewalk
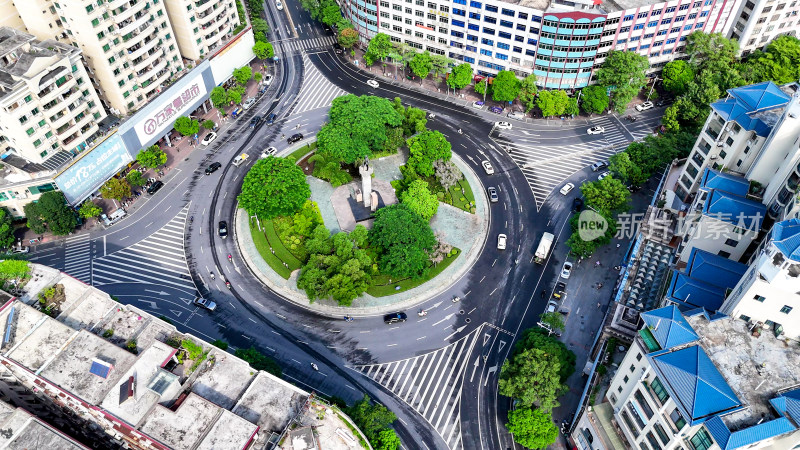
[367,305]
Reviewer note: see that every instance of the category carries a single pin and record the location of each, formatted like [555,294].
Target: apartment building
[702,382]
[767,295]
[758,22]
[9,17]
[201,26]
[23,430]
[561,42]
[49,109]
[113,376]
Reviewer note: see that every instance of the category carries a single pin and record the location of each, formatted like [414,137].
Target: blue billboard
[87,173]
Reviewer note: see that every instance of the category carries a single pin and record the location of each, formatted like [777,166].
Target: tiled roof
[745,101]
[786,236]
[734,209]
[714,179]
[698,388]
[690,293]
[745,437]
[714,269]
[669,327]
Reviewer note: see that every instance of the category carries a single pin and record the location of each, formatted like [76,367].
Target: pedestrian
[598,305]
[617,245]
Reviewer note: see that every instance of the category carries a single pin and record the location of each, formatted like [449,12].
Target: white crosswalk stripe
[291,46]
[77,257]
[317,91]
[159,259]
[431,384]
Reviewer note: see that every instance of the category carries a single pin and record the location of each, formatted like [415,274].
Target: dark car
[577,204]
[213,167]
[255,121]
[297,137]
[154,187]
[395,317]
[223,229]
[496,109]
[271,118]
[205,303]
[561,287]
[337,48]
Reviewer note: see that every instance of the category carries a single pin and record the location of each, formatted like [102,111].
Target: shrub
[108,333]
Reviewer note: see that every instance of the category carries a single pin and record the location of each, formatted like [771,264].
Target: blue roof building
[735,209]
[786,236]
[705,282]
[714,179]
[744,103]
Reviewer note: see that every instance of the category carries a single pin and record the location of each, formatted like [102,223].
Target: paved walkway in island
[460,229]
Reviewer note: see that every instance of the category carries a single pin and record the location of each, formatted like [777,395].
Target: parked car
[154,187]
[599,165]
[596,130]
[478,104]
[279,5]
[373,84]
[561,287]
[496,109]
[566,271]
[552,306]
[492,194]
[297,137]
[267,79]
[222,229]
[213,167]
[501,241]
[395,317]
[255,121]
[337,48]
[516,115]
[269,151]
[577,204]
[503,125]
[487,167]
[644,106]
[248,103]
[603,175]
[271,118]
[567,188]
[209,138]
[205,303]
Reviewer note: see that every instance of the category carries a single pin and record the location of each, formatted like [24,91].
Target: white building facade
[757,22]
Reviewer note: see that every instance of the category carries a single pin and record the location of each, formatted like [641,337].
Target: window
[624,29]
[652,24]
[704,14]
[523,16]
[633,368]
[475,16]
[485,41]
[731,242]
[89,8]
[37,142]
[488,30]
[626,379]
[701,440]
[646,409]
[517,49]
[472,48]
[475,4]
[506,23]
[759,298]
[30,131]
[619,389]
[459,12]
[491,8]
[507,12]
[670,9]
[786,309]
[486,52]
[671,41]
[503,46]
[683,7]
[700,25]
[501,56]
[458,23]
[627,18]
[641,15]
[744,317]
[474,27]
[659,390]
[638,26]
[629,423]
[457,34]
[489,19]
[472,38]
[724,254]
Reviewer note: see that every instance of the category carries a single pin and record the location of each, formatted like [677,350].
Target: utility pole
[655,80]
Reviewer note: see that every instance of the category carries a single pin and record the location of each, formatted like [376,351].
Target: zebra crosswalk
[317,91]
[77,257]
[291,46]
[431,384]
[159,259]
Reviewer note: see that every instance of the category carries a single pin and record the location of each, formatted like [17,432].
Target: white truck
[544,248]
[240,159]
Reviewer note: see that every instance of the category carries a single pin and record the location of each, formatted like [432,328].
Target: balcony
[157,81]
[137,34]
[202,6]
[70,139]
[792,182]
[712,132]
[143,48]
[128,12]
[130,25]
[149,72]
[146,60]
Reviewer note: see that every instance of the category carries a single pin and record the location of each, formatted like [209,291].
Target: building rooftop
[184,425]
[270,403]
[786,236]
[714,179]
[714,269]
[642,280]
[756,107]
[690,293]
[21,430]
[736,210]
[229,431]
[225,381]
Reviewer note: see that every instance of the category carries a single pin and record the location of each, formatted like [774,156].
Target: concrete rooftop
[186,425]
[225,381]
[270,403]
[21,430]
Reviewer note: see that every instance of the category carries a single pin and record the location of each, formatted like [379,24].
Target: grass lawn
[302,151]
[455,194]
[262,245]
[382,287]
[280,250]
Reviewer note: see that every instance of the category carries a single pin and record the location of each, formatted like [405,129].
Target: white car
[503,125]
[248,103]
[373,83]
[209,138]
[487,166]
[552,306]
[596,130]
[501,241]
[567,188]
[267,80]
[603,175]
[566,271]
[270,151]
[279,5]
[644,106]
[477,104]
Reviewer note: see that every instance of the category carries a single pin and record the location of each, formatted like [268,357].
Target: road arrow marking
[477,363]
[502,344]
[447,317]
[157,292]
[492,370]
[151,304]
[435,305]
[177,313]
[458,330]
[486,338]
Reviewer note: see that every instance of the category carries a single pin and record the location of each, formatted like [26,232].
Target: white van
[518,115]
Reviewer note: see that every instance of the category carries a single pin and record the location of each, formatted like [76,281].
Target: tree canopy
[89,209]
[625,72]
[242,75]
[274,187]
[420,200]
[538,338]
[218,96]
[258,360]
[135,178]
[552,103]
[263,50]
[371,418]
[186,126]
[460,77]
[402,239]
[348,37]
[151,157]
[6,229]
[425,148]
[608,195]
[506,86]
[481,86]
[532,428]
[51,212]
[677,75]
[527,93]
[379,47]
[357,127]
[532,378]
[116,189]
[594,99]
[421,64]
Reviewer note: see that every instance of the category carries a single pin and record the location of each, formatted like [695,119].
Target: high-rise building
[561,42]
[201,26]
[48,106]
[757,22]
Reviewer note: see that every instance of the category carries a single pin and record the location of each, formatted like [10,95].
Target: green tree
[259,25]
[532,428]
[539,339]
[421,65]
[481,86]
[209,124]
[420,200]
[116,189]
[329,169]
[329,12]
[622,168]
[625,73]
[528,91]
[425,148]
[257,76]
[532,378]
[348,37]
[379,47]
[218,96]
[11,269]
[263,50]
[242,75]
[414,121]
[256,7]
[506,86]
[235,95]
[440,64]
[670,118]
[51,211]
[220,344]
[677,75]
[387,440]
[402,240]
[258,360]
[186,126]
[274,187]
[89,209]
[711,51]
[694,105]
[554,319]
[135,178]
[552,103]
[594,99]
[571,108]
[6,229]
[460,77]
[358,127]
[371,418]
[151,157]
[320,241]
[580,248]
[608,195]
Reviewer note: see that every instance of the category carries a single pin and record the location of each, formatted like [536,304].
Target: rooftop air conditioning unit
[712,157]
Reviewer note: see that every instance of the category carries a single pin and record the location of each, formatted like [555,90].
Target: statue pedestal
[366,183]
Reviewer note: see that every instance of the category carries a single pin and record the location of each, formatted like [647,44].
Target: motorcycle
[230,258]
[314,366]
[422,312]
[456,299]
[212,275]
[348,319]
[431,116]
[460,132]
[228,284]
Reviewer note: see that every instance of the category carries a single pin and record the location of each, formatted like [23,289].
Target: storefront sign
[93,168]
[171,105]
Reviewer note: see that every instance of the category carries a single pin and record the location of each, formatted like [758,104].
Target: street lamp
[655,80]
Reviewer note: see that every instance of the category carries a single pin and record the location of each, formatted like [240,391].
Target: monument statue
[366,182]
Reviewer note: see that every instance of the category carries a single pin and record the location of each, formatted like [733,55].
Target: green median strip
[382,287]
[262,245]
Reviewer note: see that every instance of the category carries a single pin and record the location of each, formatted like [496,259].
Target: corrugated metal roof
[786,236]
[728,440]
[669,327]
[735,209]
[714,269]
[745,101]
[691,292]
[714,179]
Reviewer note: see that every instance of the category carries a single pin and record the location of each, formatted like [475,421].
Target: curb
[287,288]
